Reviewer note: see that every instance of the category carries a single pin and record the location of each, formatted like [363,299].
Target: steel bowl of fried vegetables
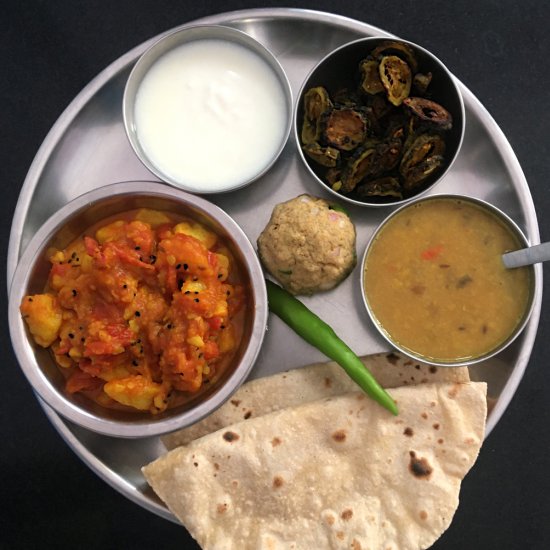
[379,121]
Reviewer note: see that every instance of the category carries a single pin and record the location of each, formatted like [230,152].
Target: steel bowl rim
[39,380]
[454,84]
[155,51]
[511,224]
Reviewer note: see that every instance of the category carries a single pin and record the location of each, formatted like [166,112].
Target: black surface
[49,50]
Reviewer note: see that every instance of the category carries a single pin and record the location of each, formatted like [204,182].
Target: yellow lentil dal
[435,281]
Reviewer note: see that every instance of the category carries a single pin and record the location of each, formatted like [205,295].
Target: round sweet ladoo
[308,245]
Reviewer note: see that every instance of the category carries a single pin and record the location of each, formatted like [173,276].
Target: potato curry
[141,312]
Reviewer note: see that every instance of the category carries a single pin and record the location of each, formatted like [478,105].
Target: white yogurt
[210,114]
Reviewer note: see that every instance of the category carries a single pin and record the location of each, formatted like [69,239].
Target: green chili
[337,207]
[317,333]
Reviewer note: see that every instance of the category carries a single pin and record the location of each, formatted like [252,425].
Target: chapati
[302,385]
[339,472]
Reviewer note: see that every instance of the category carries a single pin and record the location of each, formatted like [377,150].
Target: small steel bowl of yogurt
[208,109]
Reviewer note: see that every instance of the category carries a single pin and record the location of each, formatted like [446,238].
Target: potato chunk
[198,231]
[137,392]
[43,316]
[154,218]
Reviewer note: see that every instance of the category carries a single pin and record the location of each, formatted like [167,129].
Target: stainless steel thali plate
[87,147]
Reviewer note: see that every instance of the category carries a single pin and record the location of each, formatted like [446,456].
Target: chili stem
[320,335]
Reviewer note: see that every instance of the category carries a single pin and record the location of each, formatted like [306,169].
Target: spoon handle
[527,256]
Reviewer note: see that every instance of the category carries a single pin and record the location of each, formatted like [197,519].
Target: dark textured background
[49,50]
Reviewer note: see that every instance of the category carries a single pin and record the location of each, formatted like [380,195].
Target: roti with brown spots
[335,473]
[298,386]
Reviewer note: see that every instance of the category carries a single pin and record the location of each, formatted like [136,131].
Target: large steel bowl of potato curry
[137,309]
[434,283]
[379,121]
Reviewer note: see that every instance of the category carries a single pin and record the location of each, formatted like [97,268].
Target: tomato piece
[92,369]
[128,256]
[432,253]
[92,248]
[79,381]
[212,259]
[211,350]
[215,323]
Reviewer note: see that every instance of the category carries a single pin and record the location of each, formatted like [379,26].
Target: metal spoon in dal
[527,256]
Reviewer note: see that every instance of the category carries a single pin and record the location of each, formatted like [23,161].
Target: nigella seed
[187,292]
[197,300]
[135,363]
[137,248]
[153,258]
[178,266]
[71,335]
[185,266]
[74,292]
[138,314]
